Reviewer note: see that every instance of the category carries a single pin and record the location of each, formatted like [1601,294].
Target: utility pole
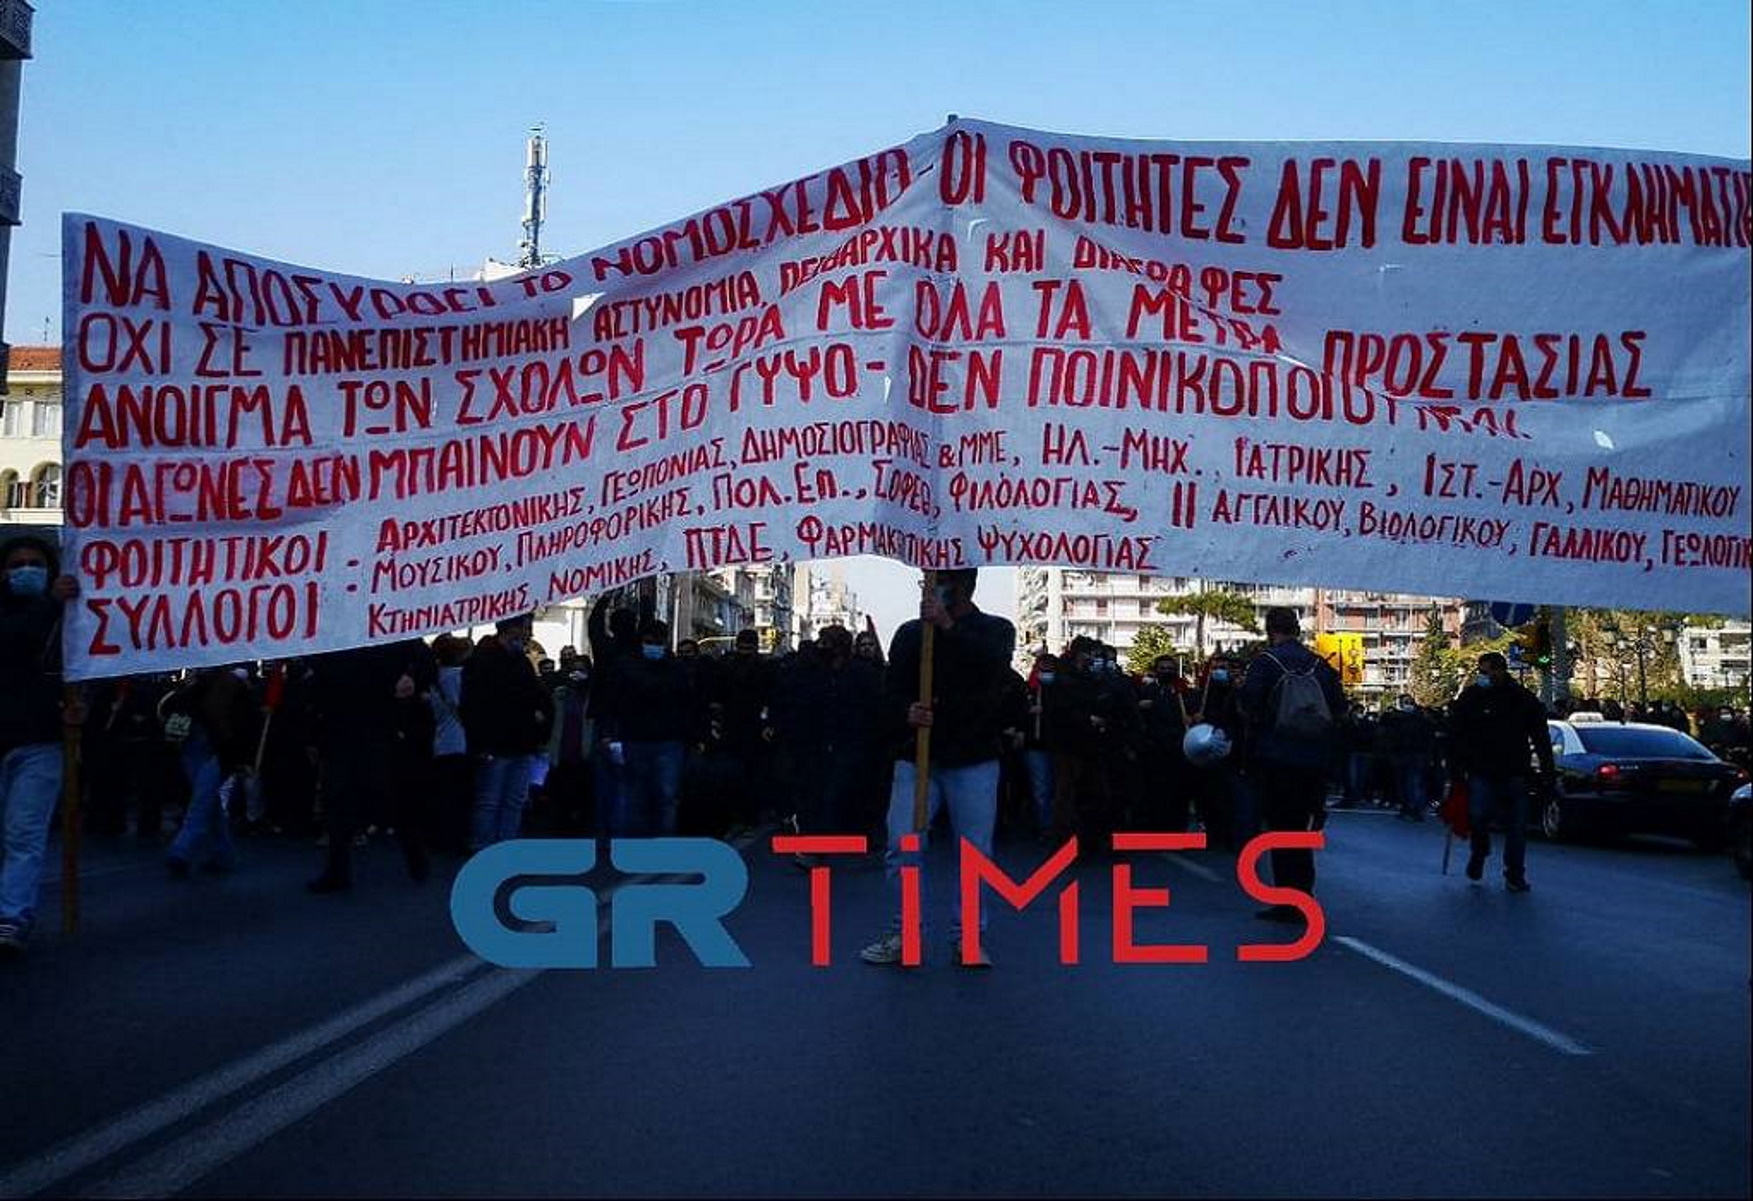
[1559,677]
[15,25]
[535,198]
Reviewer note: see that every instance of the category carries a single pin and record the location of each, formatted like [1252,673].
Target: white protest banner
[1514,372]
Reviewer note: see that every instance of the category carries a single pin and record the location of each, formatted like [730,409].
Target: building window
[11,490]
[45,420]
[12,423]
[45,487]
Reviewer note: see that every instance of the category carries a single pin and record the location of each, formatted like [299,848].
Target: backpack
[1299,703]
[176,710]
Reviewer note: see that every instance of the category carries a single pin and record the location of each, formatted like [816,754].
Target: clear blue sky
[386,139]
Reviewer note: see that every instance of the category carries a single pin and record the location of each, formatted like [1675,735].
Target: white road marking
[192,1156]
[80,1152]
[1559,1042]
[1181,861]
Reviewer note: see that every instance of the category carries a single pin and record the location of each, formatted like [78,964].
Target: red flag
[275,689]
[1454,810]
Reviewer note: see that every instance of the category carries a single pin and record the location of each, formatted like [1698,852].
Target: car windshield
[1626,742]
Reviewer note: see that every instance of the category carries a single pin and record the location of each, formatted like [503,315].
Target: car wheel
[1558,820]
[1744,849]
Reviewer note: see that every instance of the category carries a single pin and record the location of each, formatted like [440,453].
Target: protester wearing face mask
[375,733]
[1498,728]
[829,717]
[1038,742]
[1167,776]
[451,780]
[1070,729]
[32,719]
[1109,802]
[971,656]
[507,715]
[1408,739]
[1225,807]
[569,745]
[741,694]
[652,716]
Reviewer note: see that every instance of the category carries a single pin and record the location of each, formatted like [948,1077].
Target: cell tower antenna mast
[535,198]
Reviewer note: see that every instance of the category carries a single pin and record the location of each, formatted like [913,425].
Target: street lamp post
[1643,642]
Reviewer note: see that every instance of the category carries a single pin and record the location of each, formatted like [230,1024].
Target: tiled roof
[36,358]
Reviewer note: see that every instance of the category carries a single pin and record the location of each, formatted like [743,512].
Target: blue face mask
[1220,676]
[654,653]
[1046,677]
[945,596]
[31,580]
[1483,680]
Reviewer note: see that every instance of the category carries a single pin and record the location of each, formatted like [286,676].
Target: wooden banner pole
[922,736]
[71,736]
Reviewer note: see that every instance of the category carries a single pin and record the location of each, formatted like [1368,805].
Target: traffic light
[1540,640]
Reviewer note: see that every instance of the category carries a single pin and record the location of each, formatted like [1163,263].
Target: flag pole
[922,736]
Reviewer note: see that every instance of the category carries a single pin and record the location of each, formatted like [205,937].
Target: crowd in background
[452,745]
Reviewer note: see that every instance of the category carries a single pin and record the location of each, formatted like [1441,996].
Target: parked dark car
[1627,777]
[1741,830]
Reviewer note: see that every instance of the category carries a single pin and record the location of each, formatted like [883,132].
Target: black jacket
[743,685]
[1498,731]
[1066,706]
[353,694]
[1259,699]
[828,718]
[1407,735]
[1164,727]
[970,666]
[650,700]
[30,670]
[505,709]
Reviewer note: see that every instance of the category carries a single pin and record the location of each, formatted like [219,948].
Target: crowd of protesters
[452,745]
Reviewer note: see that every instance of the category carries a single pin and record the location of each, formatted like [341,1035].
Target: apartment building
[1717,658]
[30,438]
[1055,605]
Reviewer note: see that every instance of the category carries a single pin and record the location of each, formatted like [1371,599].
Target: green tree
[1435,678]
[1148,645]
[1609,642]
[1232,607]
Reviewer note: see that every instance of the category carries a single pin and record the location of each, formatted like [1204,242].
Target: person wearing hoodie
[1499,730]
[650,718]
[507,716]
[374,735]
[32,720]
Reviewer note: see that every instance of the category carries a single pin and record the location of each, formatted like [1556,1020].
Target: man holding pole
[945,684]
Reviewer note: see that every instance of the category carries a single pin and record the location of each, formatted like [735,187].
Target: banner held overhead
[1517,372]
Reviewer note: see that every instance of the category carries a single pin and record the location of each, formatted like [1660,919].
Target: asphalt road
[232,1035]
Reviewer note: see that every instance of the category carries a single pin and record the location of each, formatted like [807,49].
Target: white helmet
[1205,745]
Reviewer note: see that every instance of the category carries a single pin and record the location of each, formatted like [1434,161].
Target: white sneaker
[886,949]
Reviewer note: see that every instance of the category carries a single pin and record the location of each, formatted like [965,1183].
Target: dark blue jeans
[1504,798]
[650,790]
[206,831]
[1409,779]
